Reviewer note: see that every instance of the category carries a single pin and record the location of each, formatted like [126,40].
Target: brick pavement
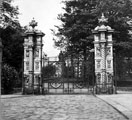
[58,107]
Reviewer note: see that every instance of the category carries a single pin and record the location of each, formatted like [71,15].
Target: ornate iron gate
[69,75]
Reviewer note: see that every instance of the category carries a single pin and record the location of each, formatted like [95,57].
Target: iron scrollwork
[80,85]
[56,84]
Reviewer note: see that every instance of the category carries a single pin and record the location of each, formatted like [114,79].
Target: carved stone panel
[27,53]
[98,51]
[27,65]
[36,65]
[36,79]
[26,79]
[98,64]
[108,51]
[109,78]
[108,64]
[37,53]
[98,77]
[30,39]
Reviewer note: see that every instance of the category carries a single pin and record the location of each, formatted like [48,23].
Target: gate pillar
[103,51]
[32,60]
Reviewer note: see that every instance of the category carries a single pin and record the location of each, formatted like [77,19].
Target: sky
[44,12]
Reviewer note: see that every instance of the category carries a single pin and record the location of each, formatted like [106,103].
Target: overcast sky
[45,13]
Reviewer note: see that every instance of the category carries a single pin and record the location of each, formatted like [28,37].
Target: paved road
[121,101]
[58,107]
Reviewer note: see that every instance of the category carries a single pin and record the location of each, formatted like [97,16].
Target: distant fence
[13,91]
[17,90]
[123,72]
[124,83]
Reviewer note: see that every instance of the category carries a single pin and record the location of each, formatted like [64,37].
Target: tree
[11,35]
[119,13]
[48,71]
[13,47]
[9,14]
[81,17]
[78,21]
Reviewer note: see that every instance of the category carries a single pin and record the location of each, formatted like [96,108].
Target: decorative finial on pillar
[103,19]
[33,23]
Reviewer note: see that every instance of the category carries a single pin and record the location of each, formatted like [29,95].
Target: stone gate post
[103,52]
[33,59]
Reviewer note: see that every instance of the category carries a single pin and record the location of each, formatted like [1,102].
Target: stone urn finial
[103,19]
[33,23]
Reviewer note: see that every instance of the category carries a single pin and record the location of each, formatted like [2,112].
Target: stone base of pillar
[32,90]
[99,89]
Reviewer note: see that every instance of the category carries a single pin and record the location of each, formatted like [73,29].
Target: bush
[9,78]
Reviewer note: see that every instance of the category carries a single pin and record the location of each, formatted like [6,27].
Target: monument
[103,51]
[32,59]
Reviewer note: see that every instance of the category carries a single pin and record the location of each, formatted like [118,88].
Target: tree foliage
[12,47]
[49,71]
[11,36]
[9,14]
[9,78]
[81,17]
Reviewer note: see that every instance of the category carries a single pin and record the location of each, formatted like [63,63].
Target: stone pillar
[28,62]
[33,59]
[38,61]
[30,47]
[103,47]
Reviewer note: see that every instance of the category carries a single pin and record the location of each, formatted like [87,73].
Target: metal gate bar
[68,77]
